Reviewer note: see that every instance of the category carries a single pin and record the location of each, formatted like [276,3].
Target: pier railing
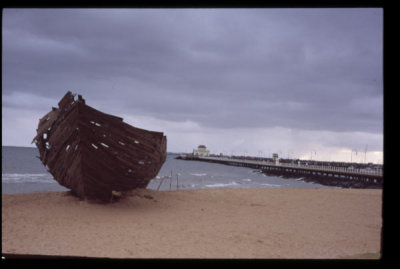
[333,169]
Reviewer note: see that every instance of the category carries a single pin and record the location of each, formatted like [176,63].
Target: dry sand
[213,223]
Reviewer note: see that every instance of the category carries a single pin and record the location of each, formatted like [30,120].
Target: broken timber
[93,153]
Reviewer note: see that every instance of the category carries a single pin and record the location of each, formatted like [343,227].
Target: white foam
[198,174]
[246,179]
[270,185]
[27,178]
[221,185]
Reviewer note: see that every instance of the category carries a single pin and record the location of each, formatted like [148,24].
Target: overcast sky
[304,83]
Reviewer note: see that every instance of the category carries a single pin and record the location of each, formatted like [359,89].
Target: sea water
[23,172]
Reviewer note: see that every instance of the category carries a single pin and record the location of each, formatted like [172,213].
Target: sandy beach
[208,223]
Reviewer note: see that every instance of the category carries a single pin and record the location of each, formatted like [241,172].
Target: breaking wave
[198,174]
[221,185]
[271,185]
[27,178]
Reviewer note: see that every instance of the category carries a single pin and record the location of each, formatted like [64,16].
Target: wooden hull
[93,153]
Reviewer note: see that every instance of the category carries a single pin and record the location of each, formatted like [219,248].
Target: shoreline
[207,223]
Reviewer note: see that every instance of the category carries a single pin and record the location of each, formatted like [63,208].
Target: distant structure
[201,151]
[275,158]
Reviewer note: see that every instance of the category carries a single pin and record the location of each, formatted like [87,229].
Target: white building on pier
[201,151]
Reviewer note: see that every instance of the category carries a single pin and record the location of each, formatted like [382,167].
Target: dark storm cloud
[312,69]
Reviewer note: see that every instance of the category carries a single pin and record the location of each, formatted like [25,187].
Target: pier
[326,175]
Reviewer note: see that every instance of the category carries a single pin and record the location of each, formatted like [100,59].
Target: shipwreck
[95,154]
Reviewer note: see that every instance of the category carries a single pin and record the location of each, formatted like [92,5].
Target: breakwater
[325,175]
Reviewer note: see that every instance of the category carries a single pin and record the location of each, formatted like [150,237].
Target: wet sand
[208,223]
